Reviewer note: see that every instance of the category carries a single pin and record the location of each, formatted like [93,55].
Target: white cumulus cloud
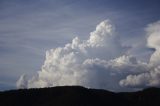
[98,62]
[152,77]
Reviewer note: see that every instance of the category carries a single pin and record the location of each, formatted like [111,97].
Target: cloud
[152,76]
[98,62]
[22,82]
[153,41]
[147,79]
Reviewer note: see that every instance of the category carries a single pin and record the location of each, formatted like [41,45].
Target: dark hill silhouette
[78,96]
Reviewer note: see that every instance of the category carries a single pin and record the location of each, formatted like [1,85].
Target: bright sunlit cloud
[99,62]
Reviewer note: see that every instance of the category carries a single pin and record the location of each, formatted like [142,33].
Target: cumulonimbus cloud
[98,62]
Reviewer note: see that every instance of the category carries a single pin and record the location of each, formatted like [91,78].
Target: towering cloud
[153,32]
[98,62]
[152,77]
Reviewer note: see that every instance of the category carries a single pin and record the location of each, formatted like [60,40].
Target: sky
[104,44]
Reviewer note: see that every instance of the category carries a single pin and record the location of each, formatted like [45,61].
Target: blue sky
[30,27]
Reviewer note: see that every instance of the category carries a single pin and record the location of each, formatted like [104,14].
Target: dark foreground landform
[78,96]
